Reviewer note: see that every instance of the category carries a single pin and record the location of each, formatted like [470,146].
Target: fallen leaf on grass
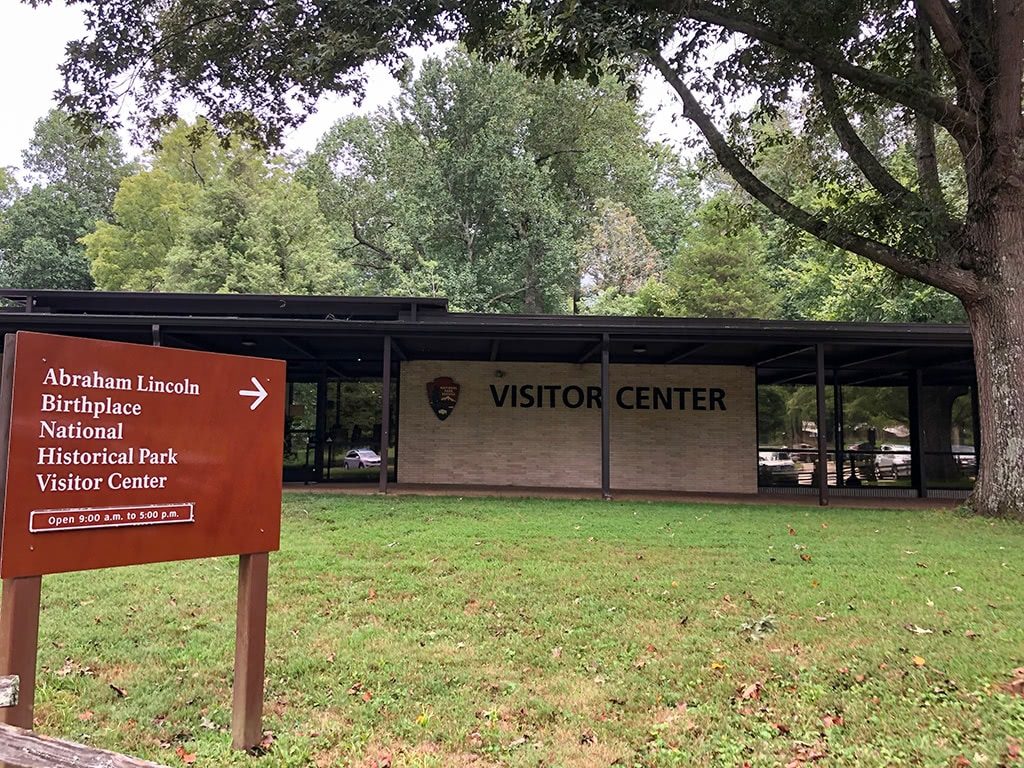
[792,531]
[806,754]
[913,628]
[121,692]
[970,634]
[718,665]
[960,762]
[519,742]
[1016,685]
[751,692]
[831,721]
[186,757]
[556,653]
[87,715]
[805,557]
[1013,751]
[918,661]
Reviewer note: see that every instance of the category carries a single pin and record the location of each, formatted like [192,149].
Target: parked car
[360,458]
[966,458]
[776,468]
[894,461]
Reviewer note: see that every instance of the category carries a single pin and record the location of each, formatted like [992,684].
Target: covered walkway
[331,341]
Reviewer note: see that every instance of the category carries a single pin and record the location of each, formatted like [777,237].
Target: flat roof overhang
[343,335]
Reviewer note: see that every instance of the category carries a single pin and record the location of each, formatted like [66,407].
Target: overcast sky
[32,46]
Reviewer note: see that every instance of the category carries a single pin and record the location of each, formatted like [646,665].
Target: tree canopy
[70,183]
[208,218]
[481,181]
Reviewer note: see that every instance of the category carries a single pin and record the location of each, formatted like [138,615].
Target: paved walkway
[514,492]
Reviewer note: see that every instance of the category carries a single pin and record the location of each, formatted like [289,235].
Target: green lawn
[478,632]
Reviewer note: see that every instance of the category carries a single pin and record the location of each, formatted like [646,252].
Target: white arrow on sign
[259,393]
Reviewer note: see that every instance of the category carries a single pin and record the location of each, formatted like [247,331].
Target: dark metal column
[385,414]
[398,413]
[320,427]
[918,476]
[757,430]
[822,430]
[976,425]
[837,425]
[606,472]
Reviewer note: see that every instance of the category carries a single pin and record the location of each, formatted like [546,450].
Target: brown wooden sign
[121,454]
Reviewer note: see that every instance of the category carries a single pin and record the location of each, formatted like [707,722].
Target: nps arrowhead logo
[442,394]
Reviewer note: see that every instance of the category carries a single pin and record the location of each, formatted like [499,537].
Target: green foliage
[8,187]
[210,217]
[480,183]
[720,269]
[652,299]
[268,239]
[85,168]
[41,263]
[810,279]
[73,178]
[130,254]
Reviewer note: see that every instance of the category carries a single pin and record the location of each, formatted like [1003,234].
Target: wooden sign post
[119,454]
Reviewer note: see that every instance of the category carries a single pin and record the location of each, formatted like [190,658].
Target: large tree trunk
[997,325]
[940,466]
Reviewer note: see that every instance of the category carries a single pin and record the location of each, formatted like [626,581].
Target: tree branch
[863,158]
[547,156]
[1008,41]
[924,131]
[876,173]
[506,295]
[937,13]
[939,274]
[361,239]
[959,122]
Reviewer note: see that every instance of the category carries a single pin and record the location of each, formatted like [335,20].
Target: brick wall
[656,449]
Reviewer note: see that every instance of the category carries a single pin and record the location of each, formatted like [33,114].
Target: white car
[894,461]
[776,468]
[360,458]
